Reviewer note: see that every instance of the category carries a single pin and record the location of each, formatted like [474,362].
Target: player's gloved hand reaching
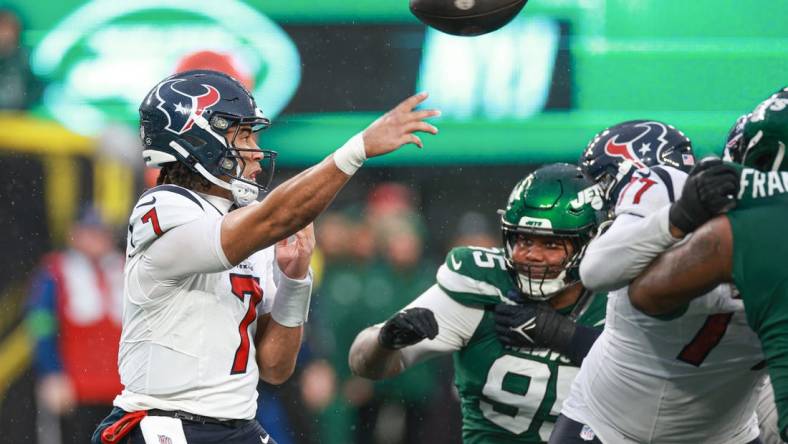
[532,324]
[711,189]
[408,327]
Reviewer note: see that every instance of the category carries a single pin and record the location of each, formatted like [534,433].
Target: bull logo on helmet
[626,149]
[182,108]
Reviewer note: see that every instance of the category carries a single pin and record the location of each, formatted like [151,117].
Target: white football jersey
[689,377]
[189,316]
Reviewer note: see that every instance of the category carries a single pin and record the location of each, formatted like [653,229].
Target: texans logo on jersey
[187,106]
[637,148]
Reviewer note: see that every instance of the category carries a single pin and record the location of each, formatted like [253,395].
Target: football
[466,17]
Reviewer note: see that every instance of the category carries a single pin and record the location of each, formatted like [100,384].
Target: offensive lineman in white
[689,377]
[209,305]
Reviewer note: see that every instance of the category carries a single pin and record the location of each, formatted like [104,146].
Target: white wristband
[351,155]
[291,306]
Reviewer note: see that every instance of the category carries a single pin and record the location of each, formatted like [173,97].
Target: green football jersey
[760,272]
[507,395]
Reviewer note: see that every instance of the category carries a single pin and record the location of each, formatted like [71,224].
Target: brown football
[466,17]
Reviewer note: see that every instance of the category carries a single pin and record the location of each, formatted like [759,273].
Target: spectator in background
[19,88]
[396,410]
[373,259]
[473,228]
[348,247]
[74,318]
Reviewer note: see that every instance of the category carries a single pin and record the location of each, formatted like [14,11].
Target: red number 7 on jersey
[647,183]
[153,218]
[243,285]
[709,335]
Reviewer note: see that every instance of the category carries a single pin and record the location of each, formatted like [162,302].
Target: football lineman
[766,409]
[745,247]
[209,305]
[516,319]
[689,375]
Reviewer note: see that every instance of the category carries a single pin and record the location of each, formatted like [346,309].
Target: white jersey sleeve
[168,221]
[456,325]
[161,209]
[639,233]
[616,257]
[165,257]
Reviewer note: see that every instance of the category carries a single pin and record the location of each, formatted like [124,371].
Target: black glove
[711,189]
[533,324]
[408,327]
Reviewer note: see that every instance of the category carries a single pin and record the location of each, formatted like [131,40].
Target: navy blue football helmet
[186,118]
[614,154]
[734,144]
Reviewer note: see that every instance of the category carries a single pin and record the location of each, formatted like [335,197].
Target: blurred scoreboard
[531,92]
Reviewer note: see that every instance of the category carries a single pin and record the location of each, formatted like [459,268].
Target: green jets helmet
[556,200]
[765,135]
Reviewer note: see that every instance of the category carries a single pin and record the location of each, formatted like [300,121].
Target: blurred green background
[535,91]
[695,64]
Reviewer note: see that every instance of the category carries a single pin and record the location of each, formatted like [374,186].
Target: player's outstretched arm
[687,271]
[297,202]
[375,353]
[368,359]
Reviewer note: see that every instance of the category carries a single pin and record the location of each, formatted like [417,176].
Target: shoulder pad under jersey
[475,276]
[159,210]
[649,190]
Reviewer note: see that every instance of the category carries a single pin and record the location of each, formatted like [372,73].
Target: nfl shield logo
[164,439]
[586,434]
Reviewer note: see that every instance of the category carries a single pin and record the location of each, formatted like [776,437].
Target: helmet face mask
[617,152]
[556,203]
[233,164]
[541,282]
[195,118]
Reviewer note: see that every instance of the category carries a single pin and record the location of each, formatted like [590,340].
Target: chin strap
[542,290]
[243,193]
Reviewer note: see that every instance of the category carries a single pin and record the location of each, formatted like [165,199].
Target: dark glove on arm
[407,328]
[533,324]
[539,325]
[711,189]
